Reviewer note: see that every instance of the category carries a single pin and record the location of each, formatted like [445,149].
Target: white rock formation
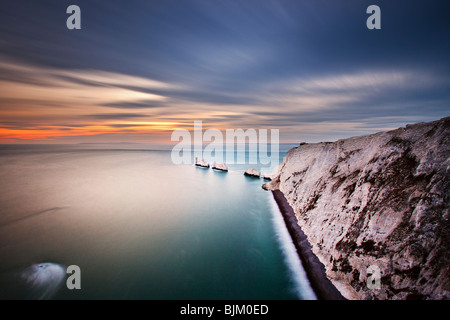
[202,163]
[252,173]
[379,200]
[220,166]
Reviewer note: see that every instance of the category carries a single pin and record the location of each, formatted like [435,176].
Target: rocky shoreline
[315,270]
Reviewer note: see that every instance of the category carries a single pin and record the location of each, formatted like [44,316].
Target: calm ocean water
[140,227]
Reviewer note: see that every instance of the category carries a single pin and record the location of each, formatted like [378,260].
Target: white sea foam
[300,281]
[43,280]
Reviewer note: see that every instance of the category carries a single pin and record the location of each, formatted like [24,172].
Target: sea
[137,226]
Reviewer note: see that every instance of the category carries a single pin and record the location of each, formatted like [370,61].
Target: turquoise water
[140,227]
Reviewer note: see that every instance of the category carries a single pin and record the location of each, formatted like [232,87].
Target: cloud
[104,78]
[36,101]
[145,104]
[363,81]
[115,116]
[74,87]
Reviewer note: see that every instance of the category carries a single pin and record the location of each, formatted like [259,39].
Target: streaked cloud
[115,116]
[34,98]
[75,87]
[139,69]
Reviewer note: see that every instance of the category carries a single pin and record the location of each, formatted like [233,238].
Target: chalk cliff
[380,200]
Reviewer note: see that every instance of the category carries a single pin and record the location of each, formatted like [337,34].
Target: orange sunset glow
[55,105]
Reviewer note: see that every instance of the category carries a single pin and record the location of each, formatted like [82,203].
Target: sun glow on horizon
[48,133]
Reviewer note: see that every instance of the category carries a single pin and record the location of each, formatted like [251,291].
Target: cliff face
[379,200]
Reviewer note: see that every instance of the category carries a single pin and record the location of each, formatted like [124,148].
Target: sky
[137,70]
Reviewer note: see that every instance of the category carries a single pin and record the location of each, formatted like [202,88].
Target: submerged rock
[376,202]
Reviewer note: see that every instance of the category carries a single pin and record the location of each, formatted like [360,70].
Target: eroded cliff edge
[377,200]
